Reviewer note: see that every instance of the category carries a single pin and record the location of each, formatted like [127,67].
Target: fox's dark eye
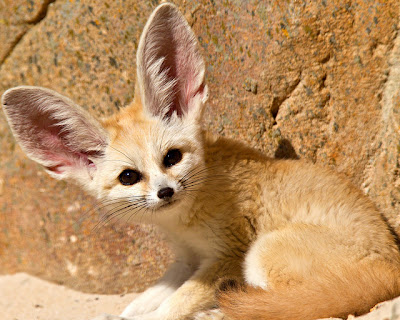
[129,177]
[172,157]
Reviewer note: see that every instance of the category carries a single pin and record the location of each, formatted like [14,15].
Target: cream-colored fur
[300,241]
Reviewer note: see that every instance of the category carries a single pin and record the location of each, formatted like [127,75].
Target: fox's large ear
[170,69]
[55,132]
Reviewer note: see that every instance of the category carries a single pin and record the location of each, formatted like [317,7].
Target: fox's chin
[169,204]
[180,204]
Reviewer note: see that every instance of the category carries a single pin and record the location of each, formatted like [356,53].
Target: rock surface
[317,80]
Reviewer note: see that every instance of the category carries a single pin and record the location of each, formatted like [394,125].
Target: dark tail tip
[229,285]
[229,294]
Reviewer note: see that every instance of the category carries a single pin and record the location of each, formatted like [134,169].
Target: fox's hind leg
[296,254]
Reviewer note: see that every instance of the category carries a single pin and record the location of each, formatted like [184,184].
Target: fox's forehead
[125,119]
[136,141]
[143,141]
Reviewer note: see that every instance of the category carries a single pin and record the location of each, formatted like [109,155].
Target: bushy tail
[351,292]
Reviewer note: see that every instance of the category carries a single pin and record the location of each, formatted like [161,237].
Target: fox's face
[150,166]
[148,157]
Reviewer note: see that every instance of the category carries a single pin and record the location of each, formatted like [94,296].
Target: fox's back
[260,194]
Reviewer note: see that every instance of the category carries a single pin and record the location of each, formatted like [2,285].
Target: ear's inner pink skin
[54,143]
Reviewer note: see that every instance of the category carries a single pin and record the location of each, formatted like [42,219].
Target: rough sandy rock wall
[317,80]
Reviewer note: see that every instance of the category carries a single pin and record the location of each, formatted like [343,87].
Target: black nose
[165,193]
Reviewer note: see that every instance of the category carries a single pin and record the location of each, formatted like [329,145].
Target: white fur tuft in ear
[55,132]
[170,69]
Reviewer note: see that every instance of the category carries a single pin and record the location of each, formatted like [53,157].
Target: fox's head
[146,156]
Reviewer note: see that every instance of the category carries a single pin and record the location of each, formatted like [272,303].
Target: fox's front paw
[214,314]
[106,316]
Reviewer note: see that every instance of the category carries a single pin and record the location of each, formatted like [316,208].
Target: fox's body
[302,242]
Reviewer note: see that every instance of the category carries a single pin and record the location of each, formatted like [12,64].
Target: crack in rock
[277,101]
[380,172]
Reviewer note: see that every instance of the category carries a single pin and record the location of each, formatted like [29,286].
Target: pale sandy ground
[23,297]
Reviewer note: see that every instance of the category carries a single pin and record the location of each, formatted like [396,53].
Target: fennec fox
[299,241]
